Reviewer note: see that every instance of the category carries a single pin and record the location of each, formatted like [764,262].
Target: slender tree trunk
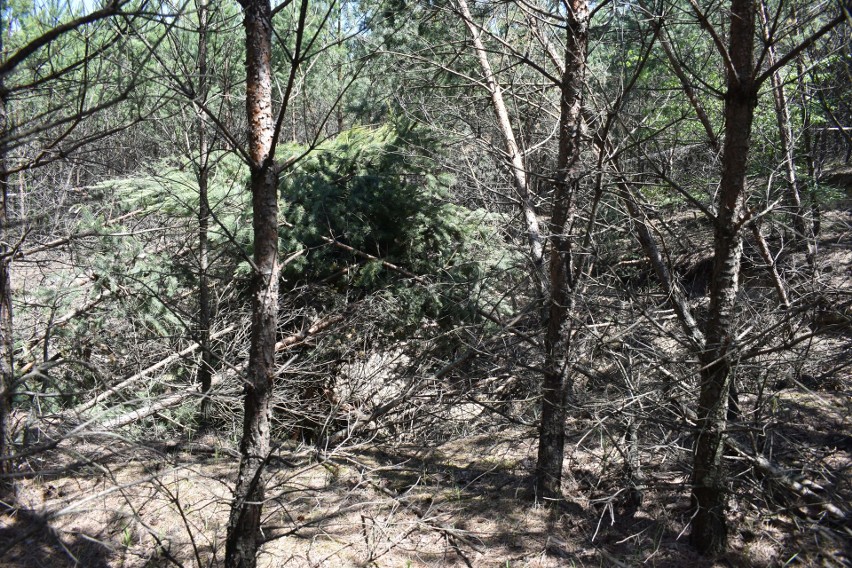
[771,265]
[670,285]
[244,523]
[205,310]
[551,445]
[807,138]
[7,367]
[801,224]
[689,91]
[205,367]
[7,344]
[516,157]
[709,493]
[701,113]
[340,67]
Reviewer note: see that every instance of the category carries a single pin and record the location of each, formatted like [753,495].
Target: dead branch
[80,408]
[779,476]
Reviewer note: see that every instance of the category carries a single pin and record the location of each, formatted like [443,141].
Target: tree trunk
[244,523]
[689,91]
[771,265]
[801,223]
[672,288]
[551,445]
[701,113]
[7,367]
[807,152]
[709,494]
[516,158]
[205,366]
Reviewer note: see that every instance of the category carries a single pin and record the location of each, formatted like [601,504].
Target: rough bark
[7,368]
[205,311]
[709,492]
[244,522]
[557,340]
[205,365]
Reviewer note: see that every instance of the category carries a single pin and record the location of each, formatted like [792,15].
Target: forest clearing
[393,284]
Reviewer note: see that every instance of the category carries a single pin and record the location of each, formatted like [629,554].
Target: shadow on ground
[28,540]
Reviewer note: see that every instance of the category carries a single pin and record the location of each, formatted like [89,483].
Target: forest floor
[112,499]
[464,502]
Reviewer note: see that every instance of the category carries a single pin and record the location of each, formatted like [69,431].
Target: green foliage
[368,189]
[171,190]
[825,194]
[131,259]
[375,190]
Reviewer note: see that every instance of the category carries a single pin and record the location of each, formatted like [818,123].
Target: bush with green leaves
[370,189]
[376,190]
[130,285]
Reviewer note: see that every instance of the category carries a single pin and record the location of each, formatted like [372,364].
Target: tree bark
[709,491]
[807,140]
[670,285]
[771,265]
[801,223]
[7,367]
[205,365]
[516,157]
[244,523]
[7,342]
[551,445]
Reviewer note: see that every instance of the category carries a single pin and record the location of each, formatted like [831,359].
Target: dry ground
[464,502]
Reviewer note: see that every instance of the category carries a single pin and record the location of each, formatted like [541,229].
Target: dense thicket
[616,230]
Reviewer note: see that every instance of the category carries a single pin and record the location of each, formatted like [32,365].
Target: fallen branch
[162,404]
[300,337]
[179,397]
[779,476]
[94,401]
